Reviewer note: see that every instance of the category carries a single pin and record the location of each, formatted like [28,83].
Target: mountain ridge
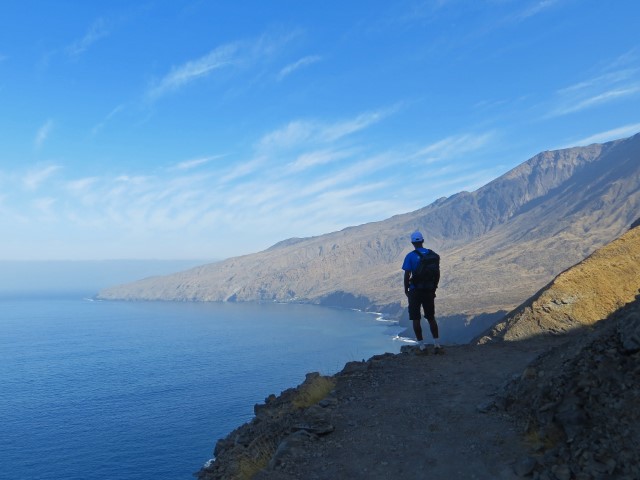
[563,203]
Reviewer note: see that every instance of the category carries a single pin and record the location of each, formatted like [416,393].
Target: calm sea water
[128,391]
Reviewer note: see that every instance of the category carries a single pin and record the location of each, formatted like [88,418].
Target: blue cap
[416,237]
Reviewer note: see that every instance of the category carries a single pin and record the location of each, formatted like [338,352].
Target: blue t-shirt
[412,260]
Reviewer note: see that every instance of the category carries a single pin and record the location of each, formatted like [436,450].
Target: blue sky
[203,130]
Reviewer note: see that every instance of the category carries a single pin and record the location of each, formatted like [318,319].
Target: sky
[208,129]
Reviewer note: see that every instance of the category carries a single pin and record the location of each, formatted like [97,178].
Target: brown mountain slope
[580,296]
[498,244]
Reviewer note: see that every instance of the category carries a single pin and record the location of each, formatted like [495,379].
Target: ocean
[143,390]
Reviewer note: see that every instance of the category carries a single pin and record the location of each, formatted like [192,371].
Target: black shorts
[424,299]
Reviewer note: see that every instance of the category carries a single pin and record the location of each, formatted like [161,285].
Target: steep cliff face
[580,296]
[499,244]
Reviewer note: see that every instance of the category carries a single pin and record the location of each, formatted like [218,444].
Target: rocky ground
[548,408]
[578,406]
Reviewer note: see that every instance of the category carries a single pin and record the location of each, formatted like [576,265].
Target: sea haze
[56,277]
[140,390]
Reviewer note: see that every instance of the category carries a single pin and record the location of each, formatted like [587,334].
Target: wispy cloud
[99,29]
[348,186]
[106,119]
[34,178]
[414,13]
[453,146]
[303,62]
[615,81]
[599,99]
[243,169]
[534,9]
[43,133]
[599,81]
[44,206]
[309,133]
[491,16]
[82,185]
[243,55]
[194,163]
[606,136]
[317,158]
[355,171]
[274,191]
[193,70]
[361,122]
[292,134]
[629,57]
[327,209]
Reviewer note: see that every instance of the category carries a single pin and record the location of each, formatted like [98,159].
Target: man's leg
[417,329]
[428,303]
[414,316]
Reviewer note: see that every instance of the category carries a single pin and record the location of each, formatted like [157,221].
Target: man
[420,284]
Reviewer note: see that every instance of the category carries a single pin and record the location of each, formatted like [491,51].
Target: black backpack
[427,274]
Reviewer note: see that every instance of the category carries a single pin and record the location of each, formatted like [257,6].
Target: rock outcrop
[578,405]
[580,296]
[280,424]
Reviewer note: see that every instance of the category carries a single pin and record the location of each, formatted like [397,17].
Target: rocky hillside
[579,297]
[578,405]
[499,244]
[546,407]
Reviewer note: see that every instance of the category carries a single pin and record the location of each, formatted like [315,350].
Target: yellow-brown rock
[580,296]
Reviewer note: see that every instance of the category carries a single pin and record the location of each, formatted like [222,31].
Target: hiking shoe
[438,350]
[422,350]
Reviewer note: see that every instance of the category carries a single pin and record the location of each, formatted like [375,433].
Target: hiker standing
[421,276]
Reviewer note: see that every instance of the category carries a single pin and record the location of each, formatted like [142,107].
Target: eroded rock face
[579,404]
[281,426]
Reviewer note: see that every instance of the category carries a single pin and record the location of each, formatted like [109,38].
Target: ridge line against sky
[190,130]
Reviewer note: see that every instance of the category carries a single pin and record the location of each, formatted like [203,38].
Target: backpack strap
[420,254]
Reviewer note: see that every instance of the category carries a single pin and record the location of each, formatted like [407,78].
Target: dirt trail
[415,416]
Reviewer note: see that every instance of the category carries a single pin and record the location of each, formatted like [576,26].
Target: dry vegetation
[312,392]
[580,296]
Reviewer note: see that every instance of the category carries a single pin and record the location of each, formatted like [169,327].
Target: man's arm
[407,277]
